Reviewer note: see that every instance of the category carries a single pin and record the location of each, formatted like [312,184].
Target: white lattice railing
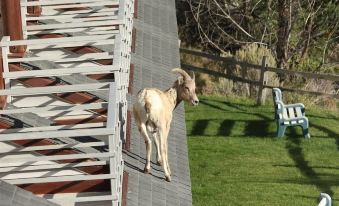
[103,24]
[19,166]
[86,18]
[111,144]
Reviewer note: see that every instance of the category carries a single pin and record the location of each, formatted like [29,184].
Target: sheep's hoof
[168,178]
[159,162]
[146,171]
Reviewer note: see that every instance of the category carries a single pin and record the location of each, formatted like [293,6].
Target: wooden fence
[263,68]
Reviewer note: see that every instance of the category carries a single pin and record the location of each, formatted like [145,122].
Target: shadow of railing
[295,151]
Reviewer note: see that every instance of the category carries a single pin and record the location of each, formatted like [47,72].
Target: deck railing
[105,26]
[79,18]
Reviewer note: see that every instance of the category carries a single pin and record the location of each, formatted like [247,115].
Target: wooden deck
[156,53]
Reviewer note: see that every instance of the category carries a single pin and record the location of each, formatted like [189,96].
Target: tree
[298,32]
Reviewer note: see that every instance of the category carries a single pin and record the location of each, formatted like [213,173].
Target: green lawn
[235,158]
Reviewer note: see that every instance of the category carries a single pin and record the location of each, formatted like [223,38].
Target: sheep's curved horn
[182,72]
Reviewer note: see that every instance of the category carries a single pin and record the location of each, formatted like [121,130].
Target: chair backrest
[277,96]
[276,93]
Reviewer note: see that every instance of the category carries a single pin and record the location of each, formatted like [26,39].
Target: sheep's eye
[187,89]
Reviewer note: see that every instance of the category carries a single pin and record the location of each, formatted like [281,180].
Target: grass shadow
[199,127]
[204,102]
[253,128]
[295,151]
[331,117]
[219,105]
[236,105]
[257,128]
[225,128]
[329,132]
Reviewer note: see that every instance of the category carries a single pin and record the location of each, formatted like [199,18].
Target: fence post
[262,82]
[12,24]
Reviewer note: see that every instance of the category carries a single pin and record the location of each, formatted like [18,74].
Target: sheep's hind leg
[148,143]
[156,141]
[163,146]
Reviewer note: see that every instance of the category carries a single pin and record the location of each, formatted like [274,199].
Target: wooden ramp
[156,54]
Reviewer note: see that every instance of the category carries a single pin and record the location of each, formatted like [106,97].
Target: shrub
[253,54]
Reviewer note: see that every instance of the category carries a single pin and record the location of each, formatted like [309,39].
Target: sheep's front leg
[157,145]
[148,142]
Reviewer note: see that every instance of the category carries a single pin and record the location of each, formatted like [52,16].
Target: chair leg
[281,130]
[305,128]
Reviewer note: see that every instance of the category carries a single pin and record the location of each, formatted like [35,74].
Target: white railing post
[5,52]
[113,141]
[23,18]
[325,200]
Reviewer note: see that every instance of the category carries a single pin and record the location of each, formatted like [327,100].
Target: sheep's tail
[147,107]
[149,123]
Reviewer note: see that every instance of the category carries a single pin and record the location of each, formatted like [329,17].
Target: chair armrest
[279,102]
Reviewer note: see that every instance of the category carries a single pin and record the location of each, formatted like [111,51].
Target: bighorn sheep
[153,115]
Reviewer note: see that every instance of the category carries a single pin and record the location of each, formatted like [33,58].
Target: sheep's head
[186,87]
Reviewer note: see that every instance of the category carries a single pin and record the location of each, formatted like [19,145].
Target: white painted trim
[47,11]
[86,30]
[52,128]
[56,134]
[53,147]
[54,89]
[60,4]
[75,18]
[84,199]
[66,58]
[53,41]
[60,72]
[56,2]
[28,167]
[74,44]
[90,106]
[73,25]
[15,159]
[60,179]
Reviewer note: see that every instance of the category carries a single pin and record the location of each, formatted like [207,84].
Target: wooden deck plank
[156,53]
